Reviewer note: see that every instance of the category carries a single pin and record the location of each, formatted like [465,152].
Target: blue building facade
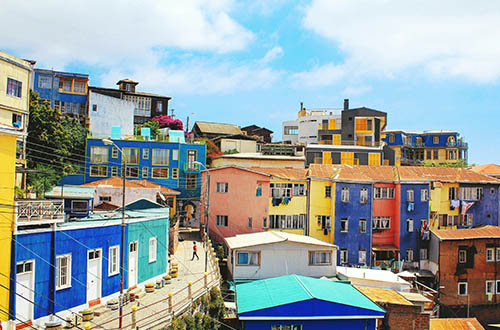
[65,91]
[485,203]
[357,211]
[169,164]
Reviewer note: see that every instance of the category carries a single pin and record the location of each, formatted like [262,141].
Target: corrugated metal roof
[415,297]
[455,324]
[420,173]
[116,182]
[489,169]
[283,173]
[323,171]
[371,274]
[380,295]
[354,172]
[71,192]
[271,237]
[289,289]
[471,233]
[217,128]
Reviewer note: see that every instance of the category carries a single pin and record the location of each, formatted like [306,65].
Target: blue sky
[428,64]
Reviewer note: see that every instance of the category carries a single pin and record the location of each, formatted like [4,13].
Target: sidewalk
[153,308]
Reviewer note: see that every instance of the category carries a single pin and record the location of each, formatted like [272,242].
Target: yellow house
[442,216]
[288,200]
[8,138]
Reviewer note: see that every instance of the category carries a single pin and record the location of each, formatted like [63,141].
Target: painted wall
[142,231]
[319,205]
[387,208]
[110,111]
[239,145]
[14,68]
[485,211]
[368,324]
[296,206]
[354,210]
[282,259]
[239,203]
[281,162]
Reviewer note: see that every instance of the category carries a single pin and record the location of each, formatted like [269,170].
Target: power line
[26,323]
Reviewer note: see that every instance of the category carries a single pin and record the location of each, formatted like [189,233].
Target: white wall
[289,137]
[240,145]
[282,259]
[110,112]
[131,194]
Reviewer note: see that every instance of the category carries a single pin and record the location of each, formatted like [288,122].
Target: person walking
[195,249]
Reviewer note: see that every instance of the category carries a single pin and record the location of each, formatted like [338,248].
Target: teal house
[304,303]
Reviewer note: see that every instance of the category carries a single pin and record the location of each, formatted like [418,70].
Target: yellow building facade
[442,216]
[322,209]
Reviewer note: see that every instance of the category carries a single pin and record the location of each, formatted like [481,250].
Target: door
[94,274]
[25,272]
[132,264]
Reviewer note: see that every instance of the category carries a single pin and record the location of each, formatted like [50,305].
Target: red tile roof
[472,233]
[455,324]
[444,174]
[118,182]
[284,173]
[489,169]
[353,173]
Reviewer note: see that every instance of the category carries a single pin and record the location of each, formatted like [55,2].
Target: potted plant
[150,287]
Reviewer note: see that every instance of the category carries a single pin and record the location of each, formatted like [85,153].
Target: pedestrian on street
[194,252]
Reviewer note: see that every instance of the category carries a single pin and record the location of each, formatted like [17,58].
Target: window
[363,196]
[384,193]
[131,155]
[409,255]
[81,207]
[142,104]
[94,107]
[498,286]
[221,187]
[409,225]
[424,195]
[498,253]
[462,288]
[264,222]
[98,171]
[258,190]
[160,156]
[248,258]
[221,220]
[24,267]
[79,87]
[291,130]
[114,152]
[344,225]
[104,198]
[435,139]
[320,258]
[429,154]
[131,172]
[453,193]
[345,195]
[114,171]
[381,223]
[175,173]
[324,221]
[328,191]
[159,107]
[465,220]
[343,256]
[362,226]
[14,87]
[490,254]
[249,222]
[490,287]
[114,260]
[287,327]
[191,181]
[145,153]
[299,189]
[191,158]
[63,271]
[423,254]
[17,120]
[287,221]
[279,190]
[145,172]
[392,138]
[159,173]
[175,154]
[462,256]
[99,155]
[45,82]
[410,194]
[362,257]
[471,193]
[152,249]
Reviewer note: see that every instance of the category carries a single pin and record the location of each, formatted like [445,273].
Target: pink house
[239,201]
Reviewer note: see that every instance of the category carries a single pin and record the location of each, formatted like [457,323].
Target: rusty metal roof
[455,324]
[472,233]
[283,173]
[387,296]
[353,172]
[323,171]
[218,128]
[489,169]
[443,174]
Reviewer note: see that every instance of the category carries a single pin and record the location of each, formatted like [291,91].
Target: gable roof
[235,137]
[487,231]
[117,182]
[443,174]
[384,296]
[241,168]
[455,324]
[272,237]
[217,128]
[488,169]
[283,290]
[355,173]
[283,173]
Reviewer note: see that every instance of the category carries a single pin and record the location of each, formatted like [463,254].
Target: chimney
[301,106]
[346,104]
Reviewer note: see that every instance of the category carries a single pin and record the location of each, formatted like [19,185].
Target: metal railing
[40,210]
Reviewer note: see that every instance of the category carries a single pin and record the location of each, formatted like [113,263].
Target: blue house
[76,264]
[353,223]
[306,303]
[169,164]
[484,200]
[64,90]
[78,201]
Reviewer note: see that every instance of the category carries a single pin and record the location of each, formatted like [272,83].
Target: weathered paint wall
[440,201]
[321,206]
[102,108]
[387,208]
[239,203]
[18,69]
[353,240]
[239,145]
[296,206]
[295,162]
[282,259]
[201,156]
[142,231]
[485,211]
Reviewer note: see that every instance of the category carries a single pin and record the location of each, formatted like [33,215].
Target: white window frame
[379,223]
[249,258]
[458,289]
[362,260]
[113,266]
[424,254]
[491,257]
[409,255]
[409,225]
[175,154]
[101,157]
[316,258]
[492,287]
[363,196]
[462,256]
[410,195]
[68,271]
[345,195]
[328,191]
[164,160]
[221,220]
[344,256]
[497,286]
[361,227]
[222,187]
[498,253]
[79,211]
[424,195]
[153,249]
[346,228]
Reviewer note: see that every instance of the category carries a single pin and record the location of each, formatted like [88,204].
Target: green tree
[154,126]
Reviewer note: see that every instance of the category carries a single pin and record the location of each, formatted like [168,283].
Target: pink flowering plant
[167,121]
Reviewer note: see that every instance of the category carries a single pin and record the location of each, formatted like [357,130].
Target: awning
[385,248]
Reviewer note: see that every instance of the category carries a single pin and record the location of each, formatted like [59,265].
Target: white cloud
[320,75]
[356,90]
[107,32]
[446,38]
[272,54]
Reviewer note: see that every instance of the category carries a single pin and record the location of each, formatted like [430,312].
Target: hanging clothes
[411,206]
[466,206]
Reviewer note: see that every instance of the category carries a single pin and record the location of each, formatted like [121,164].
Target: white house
[375,278]
[271,254]
[106,112]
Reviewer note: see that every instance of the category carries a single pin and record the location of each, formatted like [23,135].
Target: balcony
[191,168]
[39,211]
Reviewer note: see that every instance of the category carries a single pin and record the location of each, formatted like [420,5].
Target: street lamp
[122,256]
[207,204]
